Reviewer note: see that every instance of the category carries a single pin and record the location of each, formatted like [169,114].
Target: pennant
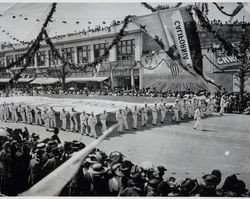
[174,30]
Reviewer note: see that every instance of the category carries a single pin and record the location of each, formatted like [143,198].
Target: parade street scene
[125,99]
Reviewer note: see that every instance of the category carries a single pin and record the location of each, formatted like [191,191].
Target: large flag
[175,32]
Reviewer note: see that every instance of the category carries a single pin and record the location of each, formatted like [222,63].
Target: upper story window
[9,59]
[17,57]
[126,50]
[68,54]
[40,58]
[99,50]
[53,60]
[83,54]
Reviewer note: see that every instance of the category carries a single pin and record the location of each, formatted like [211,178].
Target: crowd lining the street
[25,159]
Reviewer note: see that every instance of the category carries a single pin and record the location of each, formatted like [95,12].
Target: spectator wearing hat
[4,163]
[115,183]
[135,113]
[103,119]
[197,117]
[55,136]
[208,185]
[189,187]
[52,117]
[63,118]
[137,189]
[38,116]
[125,116]
[84,123]
[99,180]
[176,109]
[120,119]
[152,185]
[247,110]
[53,162]
[92,121]
[73,120]
[163,188]
[161,171]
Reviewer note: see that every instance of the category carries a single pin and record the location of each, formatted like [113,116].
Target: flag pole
[54,182]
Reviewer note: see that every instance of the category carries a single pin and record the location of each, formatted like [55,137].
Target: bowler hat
[97,169]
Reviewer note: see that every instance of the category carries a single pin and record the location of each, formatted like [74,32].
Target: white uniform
[63,118]
[45,117]
[29,115]
[190,109]
[38,119]
[83,122]
[73,121]
[197,117]
[92,121]
[163,112]
[14,117]
[103,119]
[52,117]
[222,105]
[154,110]
[120,119]
[176,108]
[125,115]
[135,114]
[184,109]
[144,115]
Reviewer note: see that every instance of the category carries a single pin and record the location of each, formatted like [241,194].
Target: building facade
[121,69]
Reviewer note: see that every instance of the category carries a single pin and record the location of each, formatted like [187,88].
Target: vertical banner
[174,30]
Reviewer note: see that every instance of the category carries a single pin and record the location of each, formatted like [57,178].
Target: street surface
[185,152]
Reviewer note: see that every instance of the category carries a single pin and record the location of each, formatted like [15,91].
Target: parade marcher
[73,121]
[52,117]
[29,114]
[163,110]
[144,114]
[92,121]
[154,110]
[184,109]
[135,113]
[13,108]
[21,110]
[222,105]
[176,108]
[63,118]
[197,117]
[84,123]
[38,116]
[125,116]
[103,119]
[190,108]
[45,117]
[119,118]
[1,112]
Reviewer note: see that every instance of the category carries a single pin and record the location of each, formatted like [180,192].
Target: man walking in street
[154,113]
[13,108]
[52,116]
[63,118]
[163,109]
[135,114]
[73,121]
[125,116]
[222,104]
[103,119]
[92,121]
[83,123]
[38,116]
[176,111]
[119,118]
[197,117]
[29,114]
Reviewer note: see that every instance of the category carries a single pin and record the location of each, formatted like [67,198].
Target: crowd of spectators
[25,159]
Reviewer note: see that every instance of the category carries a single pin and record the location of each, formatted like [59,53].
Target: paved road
[224,145]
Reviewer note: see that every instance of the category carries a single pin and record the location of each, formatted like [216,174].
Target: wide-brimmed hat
[210,180]
[126,166]
[91,158]
[97,169]
[35,136]
[161,169]
[52,143]
[146,165]
[76,145]
[190,186]
[41,146]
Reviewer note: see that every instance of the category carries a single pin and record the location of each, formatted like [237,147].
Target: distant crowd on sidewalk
[25,159]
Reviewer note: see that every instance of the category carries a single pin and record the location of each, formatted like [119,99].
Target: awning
[25,80]
[45,81]
[86,79]
[4,80]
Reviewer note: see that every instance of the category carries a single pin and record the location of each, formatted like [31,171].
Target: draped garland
[73,66]
[28,56]
[235,11]
[160,7]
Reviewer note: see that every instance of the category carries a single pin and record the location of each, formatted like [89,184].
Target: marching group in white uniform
[189,107]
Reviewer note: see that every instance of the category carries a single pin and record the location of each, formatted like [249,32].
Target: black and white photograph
[124,99]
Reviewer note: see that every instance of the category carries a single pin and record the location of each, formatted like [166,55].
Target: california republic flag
[175,32]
